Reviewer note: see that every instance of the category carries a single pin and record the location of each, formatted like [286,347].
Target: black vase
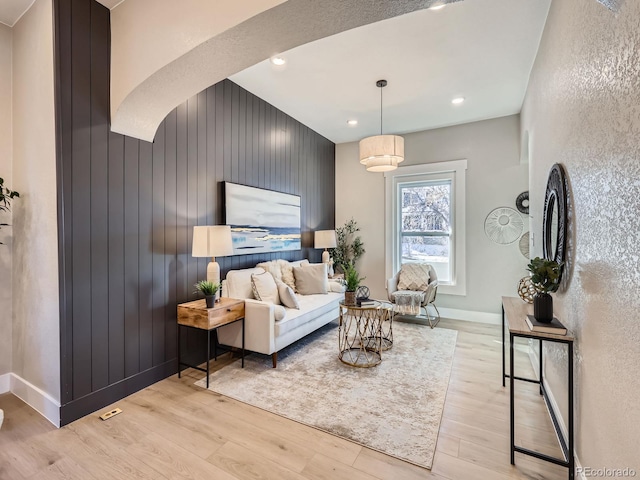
[543,307]
[211,300]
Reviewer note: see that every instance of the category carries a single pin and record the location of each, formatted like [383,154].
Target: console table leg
[540,342]
[571,458]
[179,366]
[503,347]
[512,401]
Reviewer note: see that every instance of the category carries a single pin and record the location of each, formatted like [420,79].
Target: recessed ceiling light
[457,101]
[278,61]
[352,123]
[438,7]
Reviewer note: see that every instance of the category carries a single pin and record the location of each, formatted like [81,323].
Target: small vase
[350,298]
[211,300]
[543,307]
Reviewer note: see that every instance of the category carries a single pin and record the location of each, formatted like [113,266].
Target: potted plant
[352,281]
[349,247]
[6,195]
[545,276]
[209,290]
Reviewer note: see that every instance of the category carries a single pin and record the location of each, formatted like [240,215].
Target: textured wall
[495,177]
[36,354]
[582,110]
[5,172]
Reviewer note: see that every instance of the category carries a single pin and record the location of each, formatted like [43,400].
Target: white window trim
[458,168]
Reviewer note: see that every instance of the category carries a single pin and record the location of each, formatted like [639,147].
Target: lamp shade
[212,241]
[382,153]
[325,239]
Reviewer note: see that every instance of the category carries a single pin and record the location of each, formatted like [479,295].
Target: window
[425,220]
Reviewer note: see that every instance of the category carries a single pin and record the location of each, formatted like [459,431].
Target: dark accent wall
[127,210]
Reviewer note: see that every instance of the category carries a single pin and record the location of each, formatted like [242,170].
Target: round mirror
[554,223]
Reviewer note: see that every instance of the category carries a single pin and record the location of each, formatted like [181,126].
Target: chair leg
[437,319]
[274,359]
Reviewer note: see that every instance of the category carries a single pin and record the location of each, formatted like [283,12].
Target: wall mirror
[554,222]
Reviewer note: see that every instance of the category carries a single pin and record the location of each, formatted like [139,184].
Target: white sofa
[263,333]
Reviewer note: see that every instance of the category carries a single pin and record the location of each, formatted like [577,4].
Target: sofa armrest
[392,286]
[259,324]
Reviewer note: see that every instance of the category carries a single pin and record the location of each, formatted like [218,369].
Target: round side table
[360,334]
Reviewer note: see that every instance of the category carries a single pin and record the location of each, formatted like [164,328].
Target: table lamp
[212,241]
[325,239]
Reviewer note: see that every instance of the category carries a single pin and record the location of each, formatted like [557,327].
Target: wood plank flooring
[175,430]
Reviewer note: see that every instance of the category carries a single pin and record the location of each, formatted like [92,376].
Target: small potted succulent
[545,276]
[209,290]
[352,280]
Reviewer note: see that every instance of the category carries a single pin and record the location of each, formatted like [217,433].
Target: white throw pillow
[279,312]
[336,287]
[311,279]
[287,295]
[265,288]
[414,276]
[287,277]
[273,267]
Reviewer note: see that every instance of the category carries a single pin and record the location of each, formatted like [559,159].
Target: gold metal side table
[360,334]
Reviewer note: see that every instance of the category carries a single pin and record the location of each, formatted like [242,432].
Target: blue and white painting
[261,220]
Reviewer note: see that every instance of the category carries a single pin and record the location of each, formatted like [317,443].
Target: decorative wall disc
[523,244]
[522,202]
[526,290]
[503,225]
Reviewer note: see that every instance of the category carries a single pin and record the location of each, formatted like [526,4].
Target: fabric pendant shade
[381,153]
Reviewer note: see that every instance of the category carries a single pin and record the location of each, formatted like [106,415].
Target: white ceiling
[482,50]
[12,10]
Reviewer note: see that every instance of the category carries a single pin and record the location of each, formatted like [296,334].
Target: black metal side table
[514,312]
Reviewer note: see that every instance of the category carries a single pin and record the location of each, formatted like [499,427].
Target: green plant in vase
[6,195]
[209,290]
[349,246]
[352,281]
[545,276]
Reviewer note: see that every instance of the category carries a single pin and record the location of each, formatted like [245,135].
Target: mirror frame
[557,190]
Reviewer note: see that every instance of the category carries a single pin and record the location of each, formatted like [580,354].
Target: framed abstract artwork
[262,221]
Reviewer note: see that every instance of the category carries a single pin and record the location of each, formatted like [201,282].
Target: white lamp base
[325,256]
[213,275]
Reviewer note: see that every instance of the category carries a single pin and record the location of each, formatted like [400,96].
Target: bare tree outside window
[426,225]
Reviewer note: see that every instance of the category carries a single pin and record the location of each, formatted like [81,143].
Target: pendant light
[381,153]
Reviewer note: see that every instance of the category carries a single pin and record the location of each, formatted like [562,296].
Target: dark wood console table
[514,312]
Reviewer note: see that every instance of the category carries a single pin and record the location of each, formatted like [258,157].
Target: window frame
[456,171]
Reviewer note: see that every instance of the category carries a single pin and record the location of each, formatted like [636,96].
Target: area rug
[394,408]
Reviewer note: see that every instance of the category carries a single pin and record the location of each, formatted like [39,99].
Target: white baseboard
[5,383]
[469,315]
[38,399]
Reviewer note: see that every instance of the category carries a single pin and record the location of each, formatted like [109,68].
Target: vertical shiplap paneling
[80,210]
[131,184]
[127,210]
[99,222]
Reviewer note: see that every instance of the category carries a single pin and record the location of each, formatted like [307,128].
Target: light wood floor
[176,430]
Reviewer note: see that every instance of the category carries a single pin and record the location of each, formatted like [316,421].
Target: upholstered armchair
[418,284]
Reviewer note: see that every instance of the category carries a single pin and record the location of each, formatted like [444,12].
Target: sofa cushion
[279,312]
[264,288]
[311,279]
[238,283]
[311,307]
[287,296]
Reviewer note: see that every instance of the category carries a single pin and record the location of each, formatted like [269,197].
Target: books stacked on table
[366,302]
[554,327]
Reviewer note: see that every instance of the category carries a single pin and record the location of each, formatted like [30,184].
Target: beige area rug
[394,408]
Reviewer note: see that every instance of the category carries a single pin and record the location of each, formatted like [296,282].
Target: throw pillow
[414,276]
[265,288]
[311,279]
[287,295]
[287,274]
[273,267]
[336,287]
[279,313]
